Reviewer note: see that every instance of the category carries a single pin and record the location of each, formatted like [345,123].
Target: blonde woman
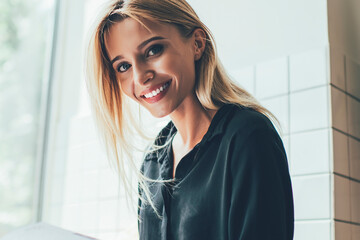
[218,170]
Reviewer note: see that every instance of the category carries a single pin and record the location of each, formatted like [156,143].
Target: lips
[155,93]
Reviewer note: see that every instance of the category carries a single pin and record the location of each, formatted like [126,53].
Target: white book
[43,231]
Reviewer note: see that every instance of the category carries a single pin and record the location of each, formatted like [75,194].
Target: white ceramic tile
[338,109]
[342,231]
[354,158]
[312,230]
[89,215]
[355,200]
[337,68]
[308,69]
[71,217]
[93,156]
[245,77]
[310,152]
[309,109]
[272,78]
[342,198]
[353,117]
[108,216]
[72,190]
[340,153]
[279,106]
[74,160]
[355,232]
[311,196]
[352,77]
[90,186]
[108,183]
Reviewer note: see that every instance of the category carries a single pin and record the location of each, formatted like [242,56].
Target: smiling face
[155,66]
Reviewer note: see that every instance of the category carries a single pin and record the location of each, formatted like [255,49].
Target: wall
[344,36]
[279,51]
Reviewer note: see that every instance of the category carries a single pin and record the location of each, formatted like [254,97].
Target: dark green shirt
[234,184]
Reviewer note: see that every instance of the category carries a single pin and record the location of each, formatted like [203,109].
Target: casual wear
[234,184]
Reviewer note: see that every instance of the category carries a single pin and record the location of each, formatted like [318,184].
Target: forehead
[128,34]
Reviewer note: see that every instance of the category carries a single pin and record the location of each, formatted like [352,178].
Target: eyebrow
[143,44]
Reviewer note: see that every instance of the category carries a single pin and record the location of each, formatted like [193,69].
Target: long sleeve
[261,205]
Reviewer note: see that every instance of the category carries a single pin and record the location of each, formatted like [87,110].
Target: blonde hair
[213,87]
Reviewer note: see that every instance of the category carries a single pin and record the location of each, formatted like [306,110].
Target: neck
[192,121]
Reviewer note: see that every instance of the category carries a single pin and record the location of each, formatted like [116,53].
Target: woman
[218,170]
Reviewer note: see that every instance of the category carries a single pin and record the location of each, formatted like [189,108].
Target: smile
[157,91]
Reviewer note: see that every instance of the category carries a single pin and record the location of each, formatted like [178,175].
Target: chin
[159,112]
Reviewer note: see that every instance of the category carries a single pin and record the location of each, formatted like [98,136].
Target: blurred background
[300,59]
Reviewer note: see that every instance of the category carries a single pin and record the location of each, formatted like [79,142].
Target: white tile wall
[310,152]
[89,185]
[355,200]
[309,109]
[272,78]
[245,77]
[342,198]
[338,109]
[340,153]
[337,68]
[311,196]
[71,218]
[312,230]
[353,117]
[308,69]
[89,216]
[354,158]
[108,184]
[108,216]
[352,77]
[342,231]
[279,106]
[72,189]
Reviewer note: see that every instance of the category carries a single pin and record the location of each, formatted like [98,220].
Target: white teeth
[157,91]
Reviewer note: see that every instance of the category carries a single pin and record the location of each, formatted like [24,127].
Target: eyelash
[158,50]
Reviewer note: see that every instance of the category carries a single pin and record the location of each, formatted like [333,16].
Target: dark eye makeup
[152,51]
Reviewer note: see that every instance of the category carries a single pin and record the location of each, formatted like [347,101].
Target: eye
[123,67]
[156,49]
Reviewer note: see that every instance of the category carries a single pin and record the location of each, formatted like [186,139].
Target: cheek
[127,88]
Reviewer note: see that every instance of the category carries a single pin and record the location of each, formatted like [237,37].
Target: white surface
[311,196]
[245,77]
[279,106]
[312,230]
[248,32]
[310,152]
[309,109]
[43,231]
[308,69]
[272,78]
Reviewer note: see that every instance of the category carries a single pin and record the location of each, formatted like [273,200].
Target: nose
[142,75]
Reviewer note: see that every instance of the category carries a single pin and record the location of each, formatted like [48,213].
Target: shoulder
[246,121]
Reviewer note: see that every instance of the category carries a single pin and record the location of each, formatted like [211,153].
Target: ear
[199,43]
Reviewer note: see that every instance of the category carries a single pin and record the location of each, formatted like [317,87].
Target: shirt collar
[217,126]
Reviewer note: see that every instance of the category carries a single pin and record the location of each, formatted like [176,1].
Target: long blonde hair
[116,122]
